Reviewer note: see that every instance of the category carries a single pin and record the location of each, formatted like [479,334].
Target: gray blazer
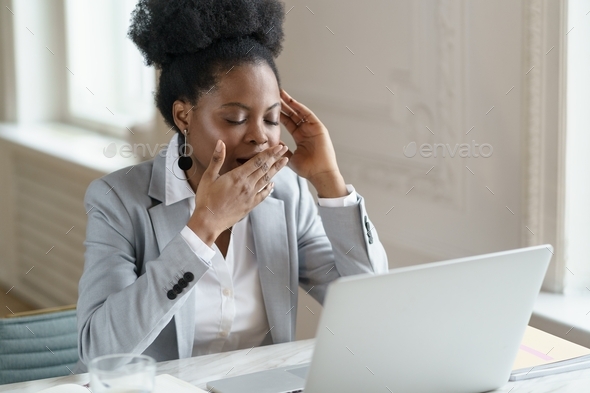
[135,254]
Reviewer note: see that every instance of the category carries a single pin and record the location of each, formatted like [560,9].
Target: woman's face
[243,110]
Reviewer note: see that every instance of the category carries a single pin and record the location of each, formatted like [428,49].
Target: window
[109,87]
[577,194]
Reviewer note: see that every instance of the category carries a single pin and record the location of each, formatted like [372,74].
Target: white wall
[449,63]
[381,74]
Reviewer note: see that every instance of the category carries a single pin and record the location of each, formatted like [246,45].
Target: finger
[264,193]
[288,122]
[263,160]
[289,118]
[288,153]
[263,188]
[288,111]
[217,160]
[265,177]
[302,111]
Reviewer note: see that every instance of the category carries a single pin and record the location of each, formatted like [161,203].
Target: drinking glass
[122,373]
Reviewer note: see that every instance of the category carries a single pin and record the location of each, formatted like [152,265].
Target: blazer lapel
[269,230]
[167,222]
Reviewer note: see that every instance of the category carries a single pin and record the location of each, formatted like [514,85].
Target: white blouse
[230,311]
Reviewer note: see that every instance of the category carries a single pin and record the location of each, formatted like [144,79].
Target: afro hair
[191,41]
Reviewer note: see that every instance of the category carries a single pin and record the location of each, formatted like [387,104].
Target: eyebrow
[239,104]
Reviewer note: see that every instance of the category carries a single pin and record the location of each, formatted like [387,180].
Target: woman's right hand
[222,200]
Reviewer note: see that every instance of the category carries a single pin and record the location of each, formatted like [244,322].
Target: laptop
[452,326]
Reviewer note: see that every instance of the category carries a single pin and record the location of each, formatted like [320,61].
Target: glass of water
[122,373]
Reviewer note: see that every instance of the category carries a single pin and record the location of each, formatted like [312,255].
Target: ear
[181,111]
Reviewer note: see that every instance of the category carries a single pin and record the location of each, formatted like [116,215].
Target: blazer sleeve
[118,309]
[340,241]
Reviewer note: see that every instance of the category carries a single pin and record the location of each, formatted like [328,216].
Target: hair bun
[164,29]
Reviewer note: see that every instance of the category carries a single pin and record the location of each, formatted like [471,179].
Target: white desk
[199,370]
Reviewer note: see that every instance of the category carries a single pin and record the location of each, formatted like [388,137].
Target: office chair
[38,344]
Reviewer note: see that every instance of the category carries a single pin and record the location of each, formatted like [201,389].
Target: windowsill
[565,316]
[73,144]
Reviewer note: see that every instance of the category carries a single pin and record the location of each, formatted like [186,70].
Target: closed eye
[274,123]
[236,122]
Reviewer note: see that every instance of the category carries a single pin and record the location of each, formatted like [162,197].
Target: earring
[185,162]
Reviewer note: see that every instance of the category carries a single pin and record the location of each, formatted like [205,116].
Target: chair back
[38,345]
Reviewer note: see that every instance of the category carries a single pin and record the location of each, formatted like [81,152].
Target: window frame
[114,128]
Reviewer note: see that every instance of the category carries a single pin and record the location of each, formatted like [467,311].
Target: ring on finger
[263,188]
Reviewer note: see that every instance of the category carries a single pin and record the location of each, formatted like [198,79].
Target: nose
[256,135]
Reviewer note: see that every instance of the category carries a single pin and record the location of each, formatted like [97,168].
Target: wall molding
[438,107]
[544,132]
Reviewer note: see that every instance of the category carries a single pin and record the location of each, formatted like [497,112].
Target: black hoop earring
[185,162]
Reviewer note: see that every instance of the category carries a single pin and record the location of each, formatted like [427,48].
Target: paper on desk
[67,388]
[539,347]
[165,383]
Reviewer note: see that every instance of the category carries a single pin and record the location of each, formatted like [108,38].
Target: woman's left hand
[314,158]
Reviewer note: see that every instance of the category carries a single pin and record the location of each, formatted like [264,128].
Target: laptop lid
[452,326]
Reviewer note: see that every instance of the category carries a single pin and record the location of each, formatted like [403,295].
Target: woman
[201,250]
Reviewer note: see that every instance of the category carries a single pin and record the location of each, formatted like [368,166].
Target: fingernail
[278,148]
[218,146]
